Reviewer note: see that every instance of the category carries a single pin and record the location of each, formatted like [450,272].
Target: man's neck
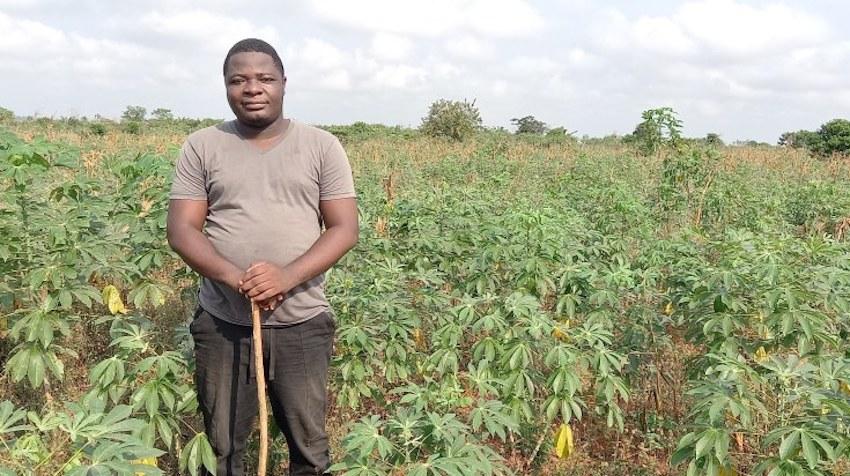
[259,134]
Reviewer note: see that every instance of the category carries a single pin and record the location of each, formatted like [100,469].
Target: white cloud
[725,29]
[662,35]
[500,18]
[495,18]
[392,47]
[399,77]
[213,31]
[320,54]
[731,28]
[534,66]
[468,47]
[25,37]
[338,80]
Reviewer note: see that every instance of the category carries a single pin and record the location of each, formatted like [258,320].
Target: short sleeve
[189,177]
[335,181]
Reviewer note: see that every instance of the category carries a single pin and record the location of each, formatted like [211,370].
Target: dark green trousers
[296,360]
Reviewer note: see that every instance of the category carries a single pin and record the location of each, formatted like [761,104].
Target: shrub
[456,120]
[134,114]
[6,116]
[660,128]
[529,125]
[97,128]
[834,137]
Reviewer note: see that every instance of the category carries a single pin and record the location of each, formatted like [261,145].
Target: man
[247,206]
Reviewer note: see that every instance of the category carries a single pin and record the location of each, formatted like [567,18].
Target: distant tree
[529,125]
[834,137]
[802,139]
[97,128]
[660,127]
[713,139]
[134,114]
[787,139]
[162,114]
[456,120]
[132,127]
[6,116]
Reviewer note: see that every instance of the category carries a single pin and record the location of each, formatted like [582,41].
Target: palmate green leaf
[790,444]
[118,458]
[810,451]
[196,453]
[29,360]
[9,418]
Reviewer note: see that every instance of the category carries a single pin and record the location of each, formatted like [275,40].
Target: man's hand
[265,284]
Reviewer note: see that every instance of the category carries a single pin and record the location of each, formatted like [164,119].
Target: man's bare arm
[264,280]
[185,236]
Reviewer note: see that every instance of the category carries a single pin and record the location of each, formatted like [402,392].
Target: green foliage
[132,127]
[134,114]
[98,128]
[660,128]
[713,140]
[835,137]
[499,290]
[808,140]
[360,131]
[160,114]
[6,116]
[529,125]
[456,120]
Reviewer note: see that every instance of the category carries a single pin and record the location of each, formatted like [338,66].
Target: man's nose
[252,86]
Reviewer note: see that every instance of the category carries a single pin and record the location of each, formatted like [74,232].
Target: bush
[529,125]
[97,128]
[713,139]
[6,116]
[134,114]
[456,120]
[801,140]
[834,137]
[660,128]
[132,127]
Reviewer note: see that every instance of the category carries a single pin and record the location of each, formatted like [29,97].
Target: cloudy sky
[745,69]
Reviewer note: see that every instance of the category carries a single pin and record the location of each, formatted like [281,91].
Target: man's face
[254,88]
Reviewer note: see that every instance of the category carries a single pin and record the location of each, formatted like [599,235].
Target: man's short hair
[253,45]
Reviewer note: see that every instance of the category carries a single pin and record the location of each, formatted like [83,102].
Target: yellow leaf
[668,309]
[724,471]
[564,445]
[559,334]
[150,461]
[761,355]
[845,388]
[112,299]
[419,339]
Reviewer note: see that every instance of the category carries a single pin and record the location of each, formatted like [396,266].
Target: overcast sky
[744,69]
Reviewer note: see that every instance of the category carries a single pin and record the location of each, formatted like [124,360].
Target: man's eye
[237,81]
[267,80]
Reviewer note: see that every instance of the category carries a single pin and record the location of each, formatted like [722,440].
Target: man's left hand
[263,281]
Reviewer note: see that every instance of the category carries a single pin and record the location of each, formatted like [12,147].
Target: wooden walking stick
[261,388]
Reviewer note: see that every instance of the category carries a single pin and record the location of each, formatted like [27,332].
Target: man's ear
[284,86]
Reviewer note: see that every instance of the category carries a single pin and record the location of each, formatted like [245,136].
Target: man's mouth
[253,106]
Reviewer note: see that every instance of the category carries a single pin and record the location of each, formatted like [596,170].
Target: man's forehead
[251,60]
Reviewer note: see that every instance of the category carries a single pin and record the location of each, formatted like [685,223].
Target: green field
[686,311]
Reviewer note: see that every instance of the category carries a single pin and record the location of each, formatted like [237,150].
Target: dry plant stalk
[261,388]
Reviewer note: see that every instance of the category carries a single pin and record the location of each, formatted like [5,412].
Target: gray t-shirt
[262,206]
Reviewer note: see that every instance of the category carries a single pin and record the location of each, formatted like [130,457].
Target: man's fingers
[252,283]
[255,291]
[267,295]
[254,271]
